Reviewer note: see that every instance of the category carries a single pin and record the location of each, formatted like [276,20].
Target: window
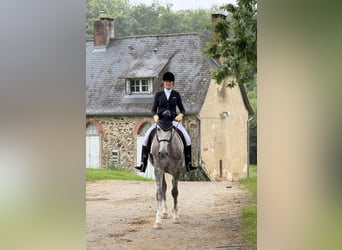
[139,86]
[91,129]
[115,158]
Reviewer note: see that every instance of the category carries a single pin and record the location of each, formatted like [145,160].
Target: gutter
[199,159]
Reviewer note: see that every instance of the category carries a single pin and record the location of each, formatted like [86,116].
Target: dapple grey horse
[166,157]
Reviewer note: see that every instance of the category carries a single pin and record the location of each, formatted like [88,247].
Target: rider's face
[168,84]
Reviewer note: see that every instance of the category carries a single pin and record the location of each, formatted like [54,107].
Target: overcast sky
[187,4]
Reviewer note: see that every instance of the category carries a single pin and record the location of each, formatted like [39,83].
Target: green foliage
[235,39]
[249,225]
[112,8]
[249,213]
[142,19]
[93,174]
[252,97]
[251,182]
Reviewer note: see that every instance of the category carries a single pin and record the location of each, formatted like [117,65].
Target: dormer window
[138,86]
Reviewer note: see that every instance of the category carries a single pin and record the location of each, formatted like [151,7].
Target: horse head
[164,136]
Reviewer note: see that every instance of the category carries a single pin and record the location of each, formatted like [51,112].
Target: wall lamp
[224,115]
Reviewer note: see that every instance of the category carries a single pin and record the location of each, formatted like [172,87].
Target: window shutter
[128,87]
[150,86]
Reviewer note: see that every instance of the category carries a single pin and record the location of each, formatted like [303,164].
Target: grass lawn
[249,213]
[94,174]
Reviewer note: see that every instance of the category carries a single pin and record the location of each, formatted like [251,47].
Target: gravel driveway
[120,215]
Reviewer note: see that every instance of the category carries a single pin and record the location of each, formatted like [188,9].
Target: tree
[133,20]
[110,8]
[252,97]
[235,39]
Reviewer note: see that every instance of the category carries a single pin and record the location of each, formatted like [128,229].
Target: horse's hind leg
[164,205]
[175,196]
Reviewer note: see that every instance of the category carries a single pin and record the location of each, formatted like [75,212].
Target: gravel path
[120,215]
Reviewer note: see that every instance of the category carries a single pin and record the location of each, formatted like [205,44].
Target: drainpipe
[248,163]
[199,156]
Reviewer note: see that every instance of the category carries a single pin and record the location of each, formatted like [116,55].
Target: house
[123,73]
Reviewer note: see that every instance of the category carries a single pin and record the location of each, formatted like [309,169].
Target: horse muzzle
[163,154]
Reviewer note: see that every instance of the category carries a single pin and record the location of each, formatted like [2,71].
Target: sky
[187,4]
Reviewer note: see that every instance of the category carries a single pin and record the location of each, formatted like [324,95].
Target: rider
[164,106]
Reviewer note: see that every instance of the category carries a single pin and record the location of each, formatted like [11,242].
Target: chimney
[214,19]
[103,31]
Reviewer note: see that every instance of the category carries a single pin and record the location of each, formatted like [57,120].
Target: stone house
[122,75]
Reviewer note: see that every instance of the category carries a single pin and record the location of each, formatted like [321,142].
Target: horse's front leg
[174,192]
[159,197]
[164,205]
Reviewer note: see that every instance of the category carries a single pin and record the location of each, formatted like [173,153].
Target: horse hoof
[164,216]
[157,226]
[176,220]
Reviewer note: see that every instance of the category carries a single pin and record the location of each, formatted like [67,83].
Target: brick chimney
[214,19]
[103,31]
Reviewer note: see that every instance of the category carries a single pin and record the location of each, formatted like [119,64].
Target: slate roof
[145,56]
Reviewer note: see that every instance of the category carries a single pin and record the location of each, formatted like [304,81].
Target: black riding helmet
[168,76]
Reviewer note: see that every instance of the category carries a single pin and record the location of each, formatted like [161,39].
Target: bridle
[173,131]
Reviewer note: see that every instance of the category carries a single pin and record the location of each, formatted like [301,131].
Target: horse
[166,157]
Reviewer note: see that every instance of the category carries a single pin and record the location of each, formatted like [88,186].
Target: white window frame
[139,83]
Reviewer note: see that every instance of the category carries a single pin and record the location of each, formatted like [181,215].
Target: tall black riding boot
[144,157]
[187,154]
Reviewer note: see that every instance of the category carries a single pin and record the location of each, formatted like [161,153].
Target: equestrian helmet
[168,76]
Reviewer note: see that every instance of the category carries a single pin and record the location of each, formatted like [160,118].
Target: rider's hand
[155,118]
[179,117]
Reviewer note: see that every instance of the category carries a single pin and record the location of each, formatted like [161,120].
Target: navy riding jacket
[161,105]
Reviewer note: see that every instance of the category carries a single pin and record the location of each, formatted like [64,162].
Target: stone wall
[119,133]
[118,136]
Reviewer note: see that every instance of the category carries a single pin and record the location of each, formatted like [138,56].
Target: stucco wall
[224,140]
[120,133]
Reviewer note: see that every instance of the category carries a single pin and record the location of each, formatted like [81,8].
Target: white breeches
[175,124]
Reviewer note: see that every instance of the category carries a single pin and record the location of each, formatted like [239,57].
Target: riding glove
[155,118]
[179,117]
